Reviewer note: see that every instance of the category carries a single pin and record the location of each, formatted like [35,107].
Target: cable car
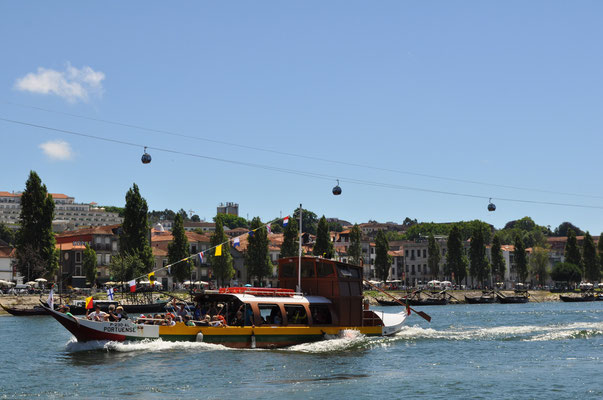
[146,157]
[491,206]
[337,189]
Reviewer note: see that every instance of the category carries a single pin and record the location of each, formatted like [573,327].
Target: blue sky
[431,95]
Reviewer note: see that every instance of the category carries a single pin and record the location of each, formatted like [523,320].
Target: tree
[539,262]
[309,220]
[134,236]
[323,246]
[196,218]
[257,256]
[232,221]
[178,250]
[433,256]
[127,266]
[456,261]
[572,252]
[600,249]
[383,260]
[221,265]
[183,213]
[290,247]
[592,271]
[36,246]
[89,264]
[566,272]
[479,266]
[355,249]
[565,227]
[498,261]
[521,262]
[6,234]
[118,210]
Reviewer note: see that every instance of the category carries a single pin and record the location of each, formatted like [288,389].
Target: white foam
[343,341]
[147,345]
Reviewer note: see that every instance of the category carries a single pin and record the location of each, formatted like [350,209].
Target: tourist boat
[331,303]
[78,307]
[23,312]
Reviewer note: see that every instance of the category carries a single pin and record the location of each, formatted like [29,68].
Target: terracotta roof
[275,242]
[191,236]
[7,252]
[507,247]
[159,252]
[59,196]
[69,246]
[9,194]
[396,253]
[94,230]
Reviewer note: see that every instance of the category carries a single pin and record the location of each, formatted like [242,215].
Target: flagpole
[301,232]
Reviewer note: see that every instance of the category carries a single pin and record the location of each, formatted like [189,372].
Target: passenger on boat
[112,317]
[238,319]
[197,313]
[65,310]
[187,321]
[213,309]
[181,311]
[217,320]
[121,314]
[97,315]
[169,321]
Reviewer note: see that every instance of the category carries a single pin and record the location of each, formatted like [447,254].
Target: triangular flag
[89,303]
[236,242]
[268,228]
[110,293]
[218,251]
[132,284]
[285,220]
[152,277]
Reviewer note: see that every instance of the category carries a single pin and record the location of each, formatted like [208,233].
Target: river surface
[502,351]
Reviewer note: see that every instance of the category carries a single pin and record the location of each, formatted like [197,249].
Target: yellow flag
[89,303]
[218,251]
[152,277]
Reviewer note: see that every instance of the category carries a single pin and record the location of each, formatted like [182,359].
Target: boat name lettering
[120,328]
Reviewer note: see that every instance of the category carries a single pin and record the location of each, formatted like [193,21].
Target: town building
[7,256]
[228,208]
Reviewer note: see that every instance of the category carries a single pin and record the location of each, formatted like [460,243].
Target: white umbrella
[30,283]
[186,282]
[10,283]
[40,280]
[433,282]
[202,283]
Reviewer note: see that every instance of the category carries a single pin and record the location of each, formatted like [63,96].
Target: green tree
[539,263]
[196,218]
[36,246]
[232,221]
[572,251]
[565,227]
[134,236]
[323,246]
[89,264]
[127,266]
[566,272]
[592,271]
[118,210]
[309,220]
[383,260]
[600,249]
[521,261]
[498,261]
[257,256]
[479,266]
[433,256]
[456,260]
[290,247]
[6,234]
[355,248]
[178,250]
[221,265]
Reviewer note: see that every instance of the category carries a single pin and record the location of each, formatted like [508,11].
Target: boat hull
[576,299]
[237,337]
[480,300]
[24,312]
[513,299]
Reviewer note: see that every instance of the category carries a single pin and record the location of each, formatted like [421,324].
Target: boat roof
[295,299]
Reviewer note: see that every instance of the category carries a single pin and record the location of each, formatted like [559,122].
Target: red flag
[132,284]
[89,303]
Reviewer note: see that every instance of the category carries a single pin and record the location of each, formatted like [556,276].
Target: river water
[512,351]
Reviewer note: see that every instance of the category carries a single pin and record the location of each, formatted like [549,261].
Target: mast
[301,232]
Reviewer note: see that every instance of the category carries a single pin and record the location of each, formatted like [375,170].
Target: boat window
[347,272]
[321,315]
[288,270]
[307,269]
[296,314]
[325,269]
[270,314]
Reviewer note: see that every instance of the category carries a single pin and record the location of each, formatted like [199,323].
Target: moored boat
[487,299]
[332,302]
[521,296]
[576,299]
[24,311]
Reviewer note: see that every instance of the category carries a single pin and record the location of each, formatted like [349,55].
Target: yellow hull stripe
[181,329]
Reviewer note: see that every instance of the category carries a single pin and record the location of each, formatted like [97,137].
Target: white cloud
[57,150]
[72,84]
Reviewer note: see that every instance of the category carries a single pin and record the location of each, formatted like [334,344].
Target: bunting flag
[151,277]
[132,284]
[89,303]
[268,228]
[50,300]
[170,270]
[236,242]
[218,252]
[250,233]
[285,220]
[110,294]
[200,257]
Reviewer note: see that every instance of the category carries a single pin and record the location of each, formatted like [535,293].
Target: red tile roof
[7,252]
[94,230]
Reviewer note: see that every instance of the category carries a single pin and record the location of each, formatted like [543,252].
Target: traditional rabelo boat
[24,312]
[521,296]
[487,297]
[331,302]
[587,296]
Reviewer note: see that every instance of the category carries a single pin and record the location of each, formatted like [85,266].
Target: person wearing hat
[121,314]
[66,310]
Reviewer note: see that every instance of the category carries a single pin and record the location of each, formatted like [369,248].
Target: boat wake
[577,330]
[346,340]
[156,345]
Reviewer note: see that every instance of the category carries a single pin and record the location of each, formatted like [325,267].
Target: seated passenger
[121,313]
[169,321]
[111,315]
[238,319]
[187,321]
[216,321]
[97,315]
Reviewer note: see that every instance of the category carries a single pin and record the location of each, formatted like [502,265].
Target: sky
[421,109]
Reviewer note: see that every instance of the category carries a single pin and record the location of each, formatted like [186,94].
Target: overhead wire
[293,171]
[304,156]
